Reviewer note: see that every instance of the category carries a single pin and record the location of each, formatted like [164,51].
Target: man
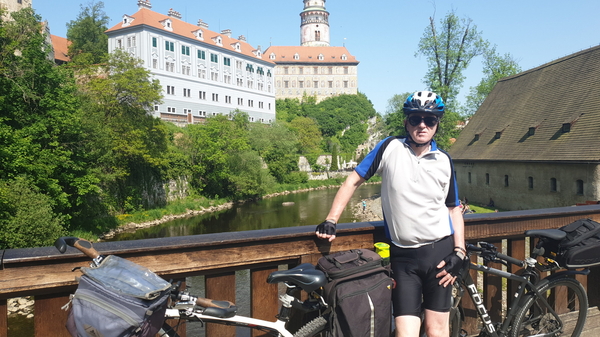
[419,198]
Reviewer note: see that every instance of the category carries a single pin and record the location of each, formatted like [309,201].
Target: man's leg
[437,323]
[407,326]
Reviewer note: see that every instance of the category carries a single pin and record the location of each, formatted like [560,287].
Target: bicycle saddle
[553,234]
[304,276]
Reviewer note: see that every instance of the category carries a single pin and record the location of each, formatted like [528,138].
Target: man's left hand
[451,267]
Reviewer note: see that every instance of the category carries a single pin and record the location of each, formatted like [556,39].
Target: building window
[201,113]
[315,84]
[530,182]
[345,70]
[506,181]
[261,105]
[286,70]
[300,84]
[214,75]
[170,90]
[300,70]
[317,35]
[215,97]
[170,109]
[202,73]
[315,70]
[227,61]
[330,70]
[170,66]
[214,58]
[553,185]
[169,46]
[469,177]
[201,54]
[154,42]
[345,84]
[240,101]
[185,50]
[228,99]
[156,108]
[286,84]
[531,131]
[579,185]
[330,83]
[187,92]
[154,63]
[202,95]
[185,70]
[566,127]
[487,178]
[187,111]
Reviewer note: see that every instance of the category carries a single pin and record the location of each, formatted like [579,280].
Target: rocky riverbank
[372,212]
[20,306]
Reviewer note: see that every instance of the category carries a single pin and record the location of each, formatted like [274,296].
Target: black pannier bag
[359,293]
[580,248]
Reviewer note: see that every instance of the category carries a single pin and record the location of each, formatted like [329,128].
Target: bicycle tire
[312,328]
[533,318]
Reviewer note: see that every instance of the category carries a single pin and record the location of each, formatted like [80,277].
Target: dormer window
[272,56]
[218,40]
[167,24]
[320,57]
[199,34]
[344,57]
[296,56]
[236,46]
[127,20]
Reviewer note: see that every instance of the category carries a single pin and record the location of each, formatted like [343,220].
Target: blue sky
[382,34]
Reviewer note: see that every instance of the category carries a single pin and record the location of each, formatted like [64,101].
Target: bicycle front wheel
[568,299]
[312,328]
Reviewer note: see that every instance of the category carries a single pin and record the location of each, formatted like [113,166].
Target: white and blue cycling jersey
[415,191]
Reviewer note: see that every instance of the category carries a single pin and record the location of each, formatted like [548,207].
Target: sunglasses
[417,120]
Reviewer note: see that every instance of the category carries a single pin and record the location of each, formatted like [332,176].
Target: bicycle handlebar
[489,250]
[83,245]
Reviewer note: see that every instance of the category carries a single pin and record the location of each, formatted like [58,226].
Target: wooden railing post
[515,248]
[220,287]
[263,300]
[49,319]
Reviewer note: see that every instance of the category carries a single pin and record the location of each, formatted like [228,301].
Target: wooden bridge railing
[46,274]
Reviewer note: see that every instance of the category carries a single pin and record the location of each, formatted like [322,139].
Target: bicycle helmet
[424,101]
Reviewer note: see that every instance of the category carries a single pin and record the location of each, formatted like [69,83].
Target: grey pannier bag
[118,299]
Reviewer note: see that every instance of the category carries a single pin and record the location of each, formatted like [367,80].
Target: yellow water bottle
[383,249]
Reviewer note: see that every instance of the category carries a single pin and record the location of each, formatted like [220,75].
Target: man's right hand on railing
[326,230]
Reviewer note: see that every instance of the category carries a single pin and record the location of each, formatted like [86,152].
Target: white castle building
[314,68]
[203,73]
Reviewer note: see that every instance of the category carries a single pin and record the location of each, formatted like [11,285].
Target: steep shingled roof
[549,113]
[61,48]
[306,54]
[150,18]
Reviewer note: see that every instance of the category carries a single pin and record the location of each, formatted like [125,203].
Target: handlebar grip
[510,259]
[208,303]
[83,245]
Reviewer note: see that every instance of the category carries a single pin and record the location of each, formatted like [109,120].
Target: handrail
[45,273]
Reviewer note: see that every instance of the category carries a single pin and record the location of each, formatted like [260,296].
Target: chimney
[144,4]
[226,32]
[242,38]
[202,24]
[174,14]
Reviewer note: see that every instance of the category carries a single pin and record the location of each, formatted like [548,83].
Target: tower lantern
[314,26]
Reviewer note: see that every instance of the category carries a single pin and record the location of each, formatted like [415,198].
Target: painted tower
[314,26]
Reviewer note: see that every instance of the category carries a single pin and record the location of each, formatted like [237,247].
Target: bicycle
[541,306]
[189,308]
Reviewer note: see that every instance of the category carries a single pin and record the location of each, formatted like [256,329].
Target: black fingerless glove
[326,227]
[454,263]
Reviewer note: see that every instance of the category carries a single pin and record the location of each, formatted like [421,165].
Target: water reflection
[309,208]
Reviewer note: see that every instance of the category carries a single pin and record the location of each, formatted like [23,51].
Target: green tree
[278,146]
[27,217]
[495,67]
[89,44]
[308,133]
[131,145]
[394,116]
[334,160]
[449,51]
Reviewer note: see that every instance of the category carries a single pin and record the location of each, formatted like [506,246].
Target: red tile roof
[285,54]
[150,18]
[61,48]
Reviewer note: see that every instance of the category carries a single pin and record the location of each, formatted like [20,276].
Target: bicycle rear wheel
[568,299]
[312,328]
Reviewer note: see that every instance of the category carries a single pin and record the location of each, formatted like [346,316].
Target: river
[308,208]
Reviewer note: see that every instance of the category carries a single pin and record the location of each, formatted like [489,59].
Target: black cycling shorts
[417,288]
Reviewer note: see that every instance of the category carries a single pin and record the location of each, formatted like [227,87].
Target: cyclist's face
[421,133]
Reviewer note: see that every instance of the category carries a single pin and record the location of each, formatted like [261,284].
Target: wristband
[462,249]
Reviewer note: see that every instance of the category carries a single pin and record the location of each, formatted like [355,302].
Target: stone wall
[509,183]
